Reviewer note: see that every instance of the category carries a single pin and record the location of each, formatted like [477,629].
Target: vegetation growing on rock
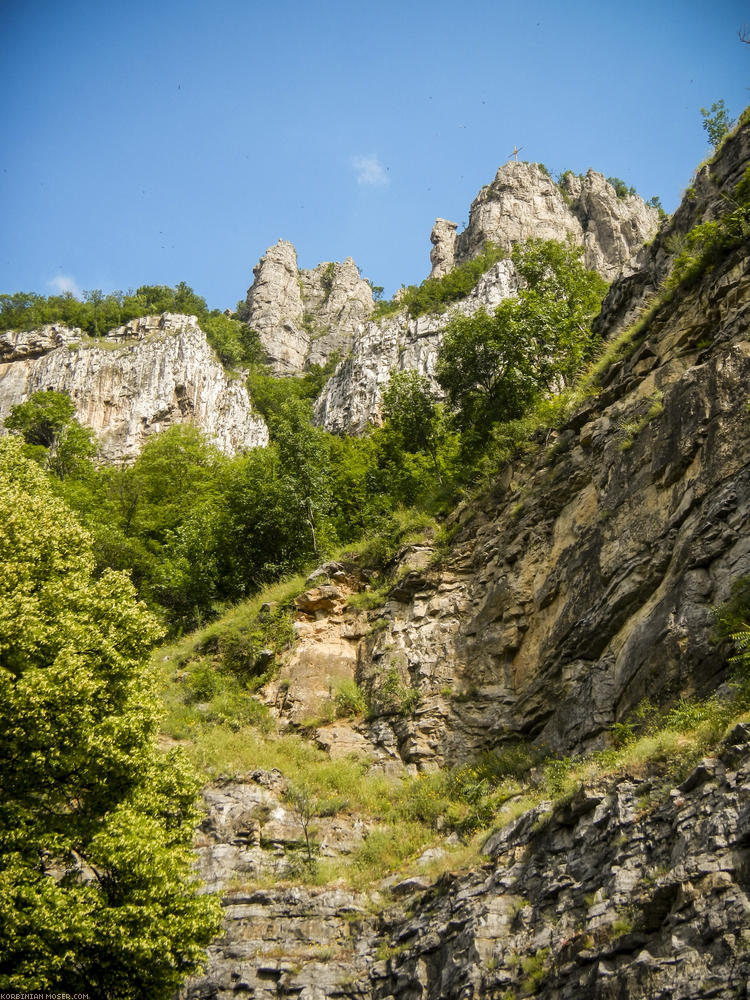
[434,294]
[405,768]
[233,341]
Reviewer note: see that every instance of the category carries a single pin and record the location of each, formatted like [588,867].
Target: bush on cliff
[493,367]
[434,294]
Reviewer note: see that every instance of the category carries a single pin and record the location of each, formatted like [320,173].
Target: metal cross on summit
[516,151]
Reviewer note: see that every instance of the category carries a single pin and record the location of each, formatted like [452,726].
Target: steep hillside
[574,589]
[493,753]
[585,579]
[634,886]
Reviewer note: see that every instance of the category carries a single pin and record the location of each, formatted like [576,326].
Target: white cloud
[369,170]
[63,283]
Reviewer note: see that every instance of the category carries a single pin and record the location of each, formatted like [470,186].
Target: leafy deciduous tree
[716,122]
[96,890]
[410,410]
[49,427]
[493,367]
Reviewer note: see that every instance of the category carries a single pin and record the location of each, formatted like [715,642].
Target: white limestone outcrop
[351,398]
[305,316]
[141,378]
[523,202]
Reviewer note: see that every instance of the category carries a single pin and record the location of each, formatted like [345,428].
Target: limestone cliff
[142,377]
[636,888]
[523,202]
[351,398]
[303,316]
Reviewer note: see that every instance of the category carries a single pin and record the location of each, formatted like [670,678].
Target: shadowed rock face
[587,580]
[145,376]
[634,889]
[305,316]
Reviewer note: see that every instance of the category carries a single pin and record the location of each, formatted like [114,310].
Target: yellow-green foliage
[227,732]
[534,969]
[209,676]
[82,776]
[632,428]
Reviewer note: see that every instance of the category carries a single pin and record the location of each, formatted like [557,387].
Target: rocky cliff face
[523,202]
[583,581]
[443,253]
[351,398]
[139,379]
[587,580]
[636,887]
[304,317]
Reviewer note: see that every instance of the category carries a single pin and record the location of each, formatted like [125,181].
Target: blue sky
[154,142]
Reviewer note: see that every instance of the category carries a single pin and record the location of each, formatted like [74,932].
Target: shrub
[493,368]
[348,698]
[711,241]
[535,970]
[621,188]
[391,696]
[434,294]
[716,123]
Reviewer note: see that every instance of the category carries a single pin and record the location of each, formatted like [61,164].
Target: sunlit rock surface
[141,378]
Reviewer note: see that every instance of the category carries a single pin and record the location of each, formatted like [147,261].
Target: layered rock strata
[141,378]
[637,887]
[305,317]
[587,580]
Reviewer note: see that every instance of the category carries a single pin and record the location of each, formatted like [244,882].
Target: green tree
[621,188]
[263,533]
[94,298]
[492,367]
[48,425]
[306,807]
[96,890]
[163,512]
[435,294]
[304,466]
[411,411]
[716,122]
